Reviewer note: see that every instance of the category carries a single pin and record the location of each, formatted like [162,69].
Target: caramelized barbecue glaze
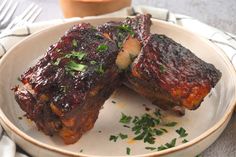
[68,101]
[170,75]
[64,92]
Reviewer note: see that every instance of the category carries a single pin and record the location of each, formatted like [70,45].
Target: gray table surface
[218,13]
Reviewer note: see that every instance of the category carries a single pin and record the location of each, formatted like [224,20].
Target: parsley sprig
[182,132]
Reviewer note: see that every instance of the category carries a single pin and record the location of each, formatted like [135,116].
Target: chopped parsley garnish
[162,68]
[100,69]
[76,54]
[157,113]
[102,48]
[150,148]
[163,129]
[171,144]
[182,132]
[199,155]
[81,150]
[149,138]
[125,119]
[170,124]
[126,28]
[100,131]
[74,43]
[184,141]
[167,145]
[126,126]
[144,128]
[120,135]
[158,132]
[123,136]
[57,62]
[73,66]
[128,151]
[113,102]
[113,138]
[93,62]
[161,148]
[20,118]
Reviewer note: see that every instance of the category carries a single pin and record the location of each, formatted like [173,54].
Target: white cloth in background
[224,40]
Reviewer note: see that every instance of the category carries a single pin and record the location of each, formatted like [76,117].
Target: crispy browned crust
[170,75]
[68,102]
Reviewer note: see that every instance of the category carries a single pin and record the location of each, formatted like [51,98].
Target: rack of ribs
[64,92]
[170,75]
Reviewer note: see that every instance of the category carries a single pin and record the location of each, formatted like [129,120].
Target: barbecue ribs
[65,90]
[129,36]
[170,75]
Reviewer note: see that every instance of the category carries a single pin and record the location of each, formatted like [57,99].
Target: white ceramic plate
[203,125]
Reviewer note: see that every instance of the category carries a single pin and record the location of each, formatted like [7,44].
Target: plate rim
[207,133]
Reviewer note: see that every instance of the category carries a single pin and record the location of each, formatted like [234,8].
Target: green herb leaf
[158,132]
[184,141]
[161,148]
[149,138]
[162,68]
[128,151]
[167,145]
[164,130]
[102,48]
[74,43]
[100,69]
[113,138]
[123,136]
[126,28]
[76,67]
[57,62]
[157,113]
[125,119]
[199,155]
[170,124]
[171,144]
[150,148]
[182,132]
[140,136]
[76,54]
[93,62]
[81,150]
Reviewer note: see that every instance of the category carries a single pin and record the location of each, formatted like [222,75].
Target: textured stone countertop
[218,13]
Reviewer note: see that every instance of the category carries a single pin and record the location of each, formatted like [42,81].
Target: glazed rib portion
[65,90]
[129,36]
[170,75]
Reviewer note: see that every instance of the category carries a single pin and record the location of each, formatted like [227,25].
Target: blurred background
[218,13]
